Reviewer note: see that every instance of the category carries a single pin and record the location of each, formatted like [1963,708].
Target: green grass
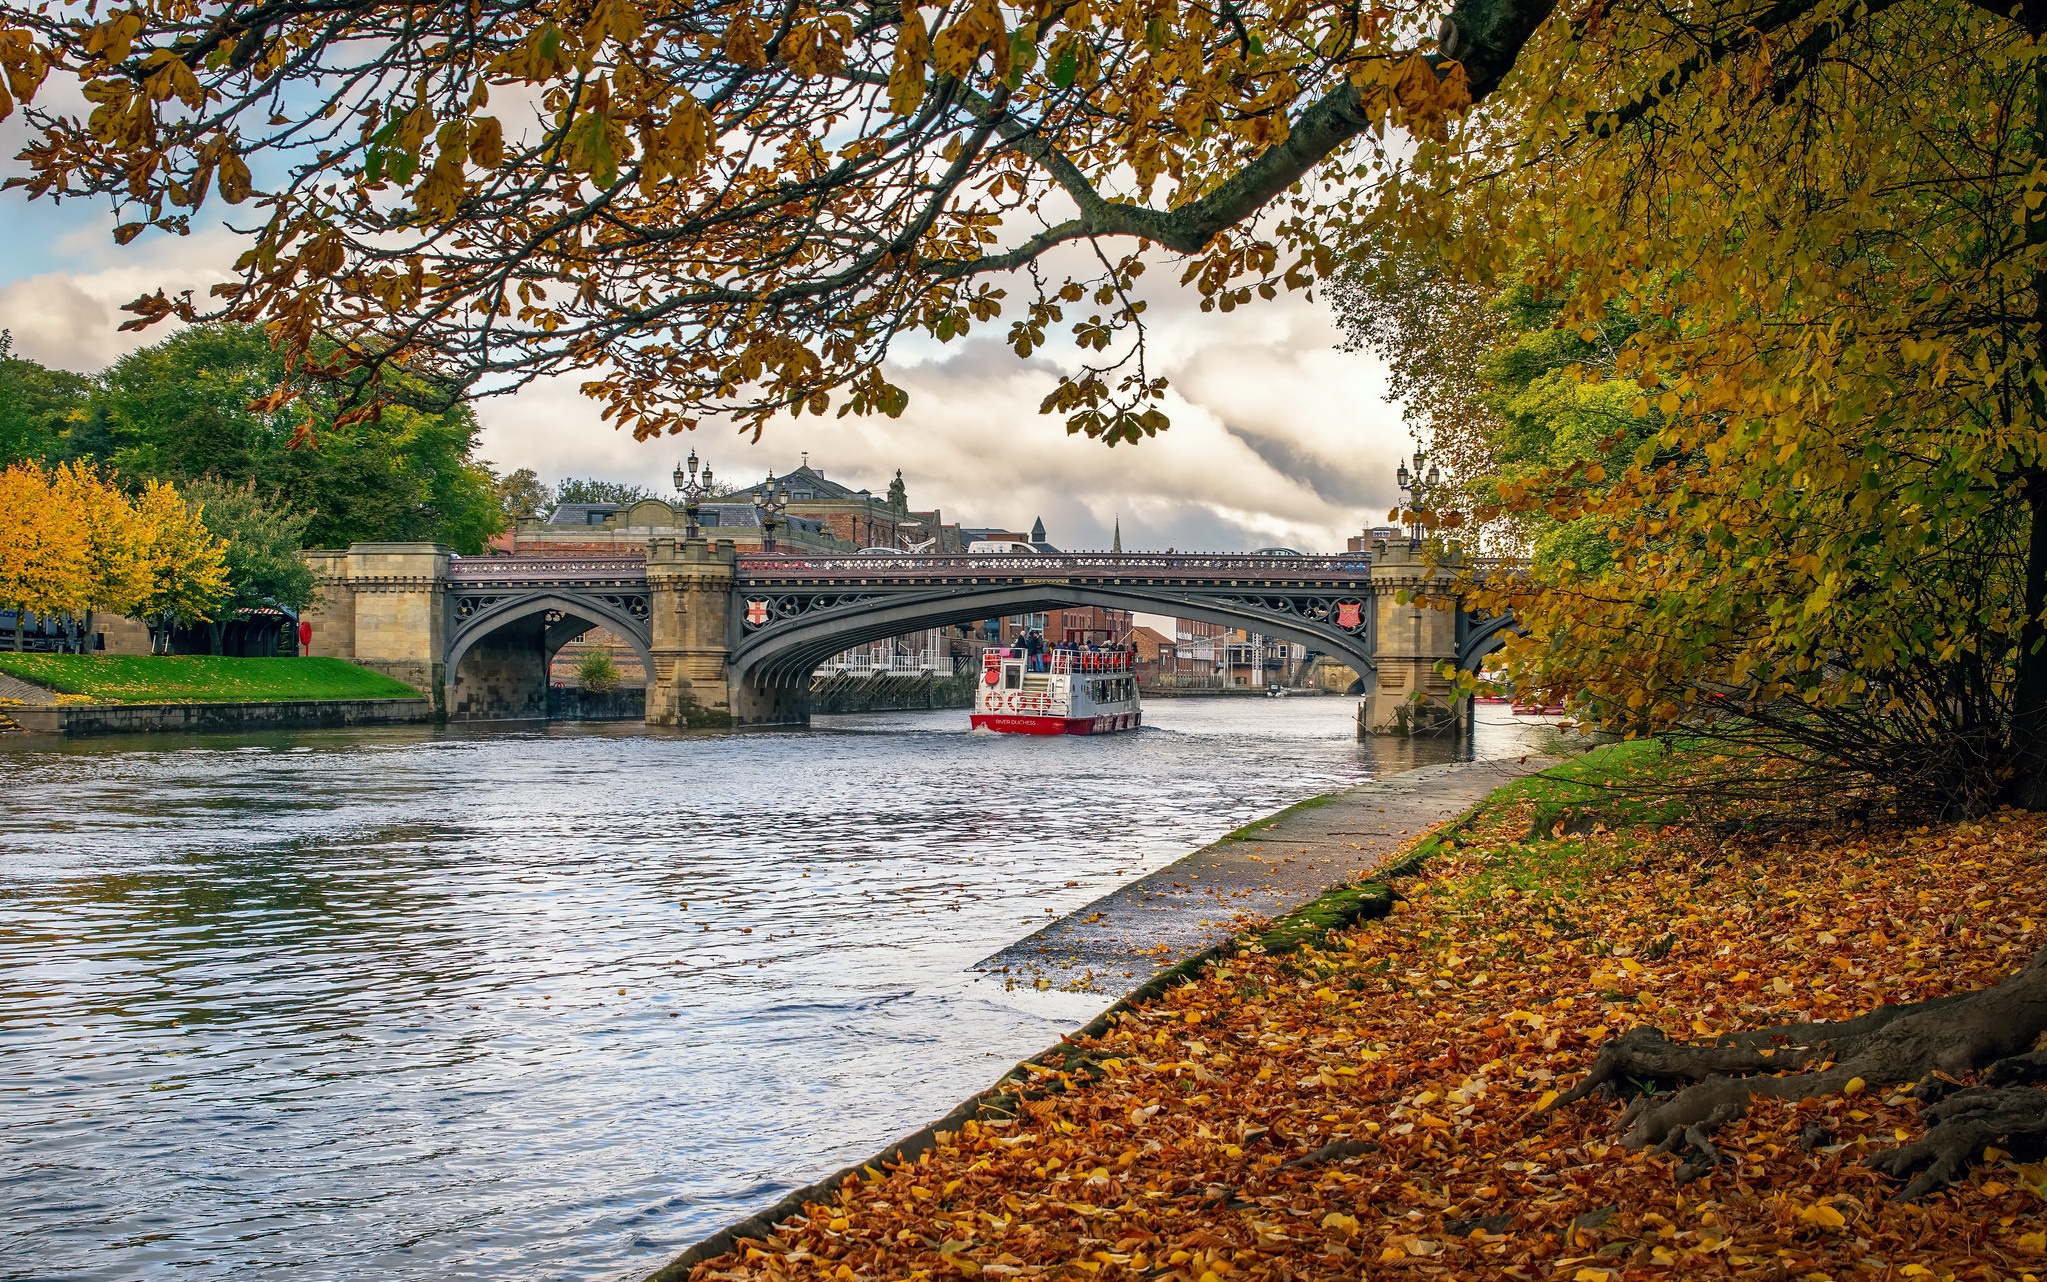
[1332,910]
[1619,783]
[1623,785]
[198,678]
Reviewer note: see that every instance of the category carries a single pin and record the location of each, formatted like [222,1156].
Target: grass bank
[1374,1100]
[201,678]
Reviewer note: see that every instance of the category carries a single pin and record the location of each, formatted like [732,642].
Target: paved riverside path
[14,690]
[1132,933]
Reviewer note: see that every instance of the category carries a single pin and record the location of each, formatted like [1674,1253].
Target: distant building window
[711,517]
[593,518]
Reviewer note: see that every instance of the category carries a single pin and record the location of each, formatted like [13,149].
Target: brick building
[860,517]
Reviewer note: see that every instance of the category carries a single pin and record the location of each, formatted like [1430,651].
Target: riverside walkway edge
[1268,867]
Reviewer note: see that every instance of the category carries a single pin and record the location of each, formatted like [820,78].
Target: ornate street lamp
[692,488]
[1418,486]
[771,499]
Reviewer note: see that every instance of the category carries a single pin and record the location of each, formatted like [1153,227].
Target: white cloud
[1277,437]
[71,318]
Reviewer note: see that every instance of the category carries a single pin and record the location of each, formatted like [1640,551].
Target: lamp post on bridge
[771,499]
[692,489]
[1418,487]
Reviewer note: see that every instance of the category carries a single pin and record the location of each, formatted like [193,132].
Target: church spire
[1038,530]
[1117,546]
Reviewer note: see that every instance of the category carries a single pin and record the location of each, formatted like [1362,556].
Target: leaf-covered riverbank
[1374,1103]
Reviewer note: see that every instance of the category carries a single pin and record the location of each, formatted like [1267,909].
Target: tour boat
[1060,692]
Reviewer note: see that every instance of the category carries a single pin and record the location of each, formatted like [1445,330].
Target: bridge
[732,639]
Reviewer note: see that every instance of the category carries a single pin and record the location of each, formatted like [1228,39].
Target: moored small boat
[1063,691]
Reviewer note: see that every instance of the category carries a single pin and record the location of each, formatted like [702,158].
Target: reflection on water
[542,1003]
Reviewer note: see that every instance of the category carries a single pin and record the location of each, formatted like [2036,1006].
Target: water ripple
[540,1004]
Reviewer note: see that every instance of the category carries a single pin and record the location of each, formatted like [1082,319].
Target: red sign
[305,637]
[1350,615]
[756,612]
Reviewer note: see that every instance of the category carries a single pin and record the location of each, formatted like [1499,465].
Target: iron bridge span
[784,615]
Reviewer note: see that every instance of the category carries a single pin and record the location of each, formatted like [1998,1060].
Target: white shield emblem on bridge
[1350,615]
[756,613]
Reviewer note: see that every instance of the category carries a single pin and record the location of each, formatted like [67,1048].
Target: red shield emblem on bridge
[1350,615]
[756,613]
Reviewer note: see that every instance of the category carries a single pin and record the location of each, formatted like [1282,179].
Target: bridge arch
[1481,637]
[782,655]
[498,655]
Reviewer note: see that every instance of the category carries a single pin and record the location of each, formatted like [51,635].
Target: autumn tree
[116,541]
[1806,480]
[187,566]
[520,494]
[734,208]
[1779,448]
[45,552]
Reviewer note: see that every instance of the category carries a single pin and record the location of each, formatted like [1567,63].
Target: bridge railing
[584,569]
[1030,565]
[1197,566]
[860,663]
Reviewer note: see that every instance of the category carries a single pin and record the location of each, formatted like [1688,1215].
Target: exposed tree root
[1930,1043]
[1964,1125]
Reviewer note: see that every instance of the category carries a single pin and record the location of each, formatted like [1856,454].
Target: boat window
[1012,676]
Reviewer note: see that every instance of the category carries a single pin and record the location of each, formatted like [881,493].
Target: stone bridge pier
[694,607]
[1413,639]
[384,606]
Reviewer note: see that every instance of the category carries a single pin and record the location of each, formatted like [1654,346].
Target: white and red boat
[1061,692]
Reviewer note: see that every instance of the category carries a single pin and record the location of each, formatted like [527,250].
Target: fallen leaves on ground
[1375,1105]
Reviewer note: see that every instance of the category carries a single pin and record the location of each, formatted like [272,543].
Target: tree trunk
[2027,786]
[214,629]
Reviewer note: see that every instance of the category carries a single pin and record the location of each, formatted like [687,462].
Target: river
[524,1003]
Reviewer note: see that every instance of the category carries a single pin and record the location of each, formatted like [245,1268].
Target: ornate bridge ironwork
[791,613]
[487,592]
[798,611]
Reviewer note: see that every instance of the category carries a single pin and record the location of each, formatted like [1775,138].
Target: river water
[543,1003]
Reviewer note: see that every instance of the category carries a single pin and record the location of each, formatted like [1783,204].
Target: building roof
[582,513]
[809,485]
[725,516]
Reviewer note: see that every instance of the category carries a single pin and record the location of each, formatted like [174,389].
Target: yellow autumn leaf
[1823,1216]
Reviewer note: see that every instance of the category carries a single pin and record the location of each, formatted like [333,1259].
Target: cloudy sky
[1277,437]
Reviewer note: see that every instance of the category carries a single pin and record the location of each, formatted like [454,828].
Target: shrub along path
[1374,1104]
[199,678]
